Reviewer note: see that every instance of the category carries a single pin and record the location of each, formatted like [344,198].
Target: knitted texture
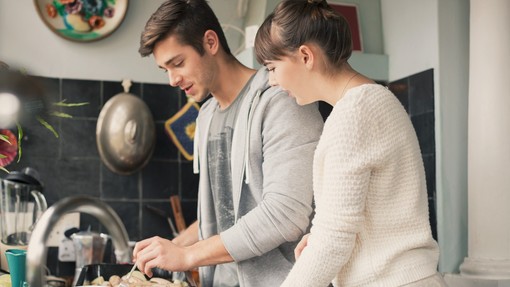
[371,226]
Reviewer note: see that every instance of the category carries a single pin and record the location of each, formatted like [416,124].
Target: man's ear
[306,56]
[211,42]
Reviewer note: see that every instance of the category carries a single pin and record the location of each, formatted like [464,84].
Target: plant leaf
[48,126]
[5,139]
[20,136]
[2,168]
[61,115]
[64,104]
[2,156]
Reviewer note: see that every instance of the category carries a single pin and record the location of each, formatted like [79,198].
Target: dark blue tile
[69,177]
[429,162]
[421,93]
[160,180]
[433,218]
[79,91]
[164,149]
[155,224]
[129,213]
[424,127]
[189,210]
[163,100]
[116,186]
[189,180]
[111,89]
[40,140]
[78,138]
[400,89]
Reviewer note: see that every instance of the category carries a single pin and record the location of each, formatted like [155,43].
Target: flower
[75,7]
[66,1]
[109,12]
[51,10]
[96,22]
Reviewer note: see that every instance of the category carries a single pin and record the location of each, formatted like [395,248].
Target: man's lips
[187,88]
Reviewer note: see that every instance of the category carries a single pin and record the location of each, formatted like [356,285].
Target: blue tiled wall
[71,165]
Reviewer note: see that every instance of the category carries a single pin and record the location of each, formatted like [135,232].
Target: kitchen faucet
[37,250]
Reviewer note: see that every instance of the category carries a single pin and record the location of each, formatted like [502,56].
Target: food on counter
[5,280]
[137,279]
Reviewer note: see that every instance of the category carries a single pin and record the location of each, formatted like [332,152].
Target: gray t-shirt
[218,156]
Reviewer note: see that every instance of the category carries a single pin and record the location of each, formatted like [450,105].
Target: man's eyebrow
[169,61]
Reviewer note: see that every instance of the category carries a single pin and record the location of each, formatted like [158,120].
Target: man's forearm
[206,252]
[187,237]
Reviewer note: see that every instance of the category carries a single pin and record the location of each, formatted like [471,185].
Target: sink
[37,249]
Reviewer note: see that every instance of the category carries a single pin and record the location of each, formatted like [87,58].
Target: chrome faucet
[37,250]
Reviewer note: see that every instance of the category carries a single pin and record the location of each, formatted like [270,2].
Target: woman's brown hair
[294,23]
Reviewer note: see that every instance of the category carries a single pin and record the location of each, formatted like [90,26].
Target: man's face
[185,67]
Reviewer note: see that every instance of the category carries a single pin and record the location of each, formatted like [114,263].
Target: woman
[371,226]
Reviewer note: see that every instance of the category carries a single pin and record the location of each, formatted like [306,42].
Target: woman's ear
[211,42]
[306,56]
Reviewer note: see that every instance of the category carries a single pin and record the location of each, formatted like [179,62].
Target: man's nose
[174,79]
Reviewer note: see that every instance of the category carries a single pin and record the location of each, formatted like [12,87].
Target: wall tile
[401,90]
[432,218]
[165,148]
[160,180]
[424,127]
[163,100]
[130,214]
[189,180]
[111,89]
[78,91]
[116,186]
[421,93]
[78,138]
[156,225]
[429,161]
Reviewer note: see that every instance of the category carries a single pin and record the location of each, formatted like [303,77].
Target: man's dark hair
[187,19]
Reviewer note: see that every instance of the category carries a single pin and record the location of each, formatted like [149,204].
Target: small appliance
[21,204]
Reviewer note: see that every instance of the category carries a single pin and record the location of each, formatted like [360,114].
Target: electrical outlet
[66,251]
[65,222]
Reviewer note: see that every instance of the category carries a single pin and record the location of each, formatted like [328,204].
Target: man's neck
[232,76]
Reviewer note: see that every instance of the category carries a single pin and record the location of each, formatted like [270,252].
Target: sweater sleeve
[342,168]
[289,134]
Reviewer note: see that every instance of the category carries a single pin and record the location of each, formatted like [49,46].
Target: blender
[21,204]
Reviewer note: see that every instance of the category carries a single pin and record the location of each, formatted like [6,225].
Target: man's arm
[187,237]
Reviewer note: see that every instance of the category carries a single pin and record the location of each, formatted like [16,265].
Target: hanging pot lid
[125,133]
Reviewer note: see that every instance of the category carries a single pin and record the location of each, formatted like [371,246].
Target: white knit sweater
[371,226]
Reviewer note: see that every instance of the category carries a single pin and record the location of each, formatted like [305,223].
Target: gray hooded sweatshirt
[272,153]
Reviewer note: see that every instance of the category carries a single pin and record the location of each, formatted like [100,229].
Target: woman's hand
[161,253]
[301,246]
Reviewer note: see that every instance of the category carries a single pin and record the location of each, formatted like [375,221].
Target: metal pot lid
[125,134]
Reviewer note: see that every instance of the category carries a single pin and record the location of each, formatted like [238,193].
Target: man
[254,151]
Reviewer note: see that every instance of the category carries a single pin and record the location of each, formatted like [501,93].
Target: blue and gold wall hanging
[181,128]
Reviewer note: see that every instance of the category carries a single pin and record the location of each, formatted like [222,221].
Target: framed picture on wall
[350,12]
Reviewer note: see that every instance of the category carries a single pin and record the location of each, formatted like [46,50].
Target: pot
[125,133]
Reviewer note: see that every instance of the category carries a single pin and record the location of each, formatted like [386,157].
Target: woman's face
[292,76]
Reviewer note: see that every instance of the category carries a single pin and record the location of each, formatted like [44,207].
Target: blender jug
[21,204]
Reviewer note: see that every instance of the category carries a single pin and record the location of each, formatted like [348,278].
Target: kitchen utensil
[125,133]
[123,283]
[163,214]
[21,203]
[89,248]
[175,202]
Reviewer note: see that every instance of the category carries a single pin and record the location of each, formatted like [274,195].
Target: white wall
[25,42]
[425,34]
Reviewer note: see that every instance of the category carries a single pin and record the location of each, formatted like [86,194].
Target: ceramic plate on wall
[82,20]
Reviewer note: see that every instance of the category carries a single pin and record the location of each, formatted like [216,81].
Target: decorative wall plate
[82,20]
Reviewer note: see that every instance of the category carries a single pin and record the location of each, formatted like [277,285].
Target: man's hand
[161,253]
[301,246]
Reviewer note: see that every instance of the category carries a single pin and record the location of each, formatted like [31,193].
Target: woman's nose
[272,80]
